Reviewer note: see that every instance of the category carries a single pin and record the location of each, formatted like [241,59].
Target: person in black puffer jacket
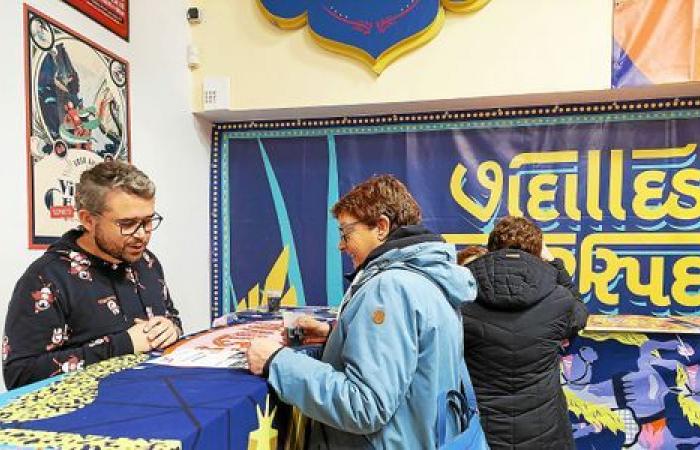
[525,308]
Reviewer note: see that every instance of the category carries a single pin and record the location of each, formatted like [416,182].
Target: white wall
[167,143]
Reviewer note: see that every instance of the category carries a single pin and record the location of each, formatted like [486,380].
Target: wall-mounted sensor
[193,56]
[194,15]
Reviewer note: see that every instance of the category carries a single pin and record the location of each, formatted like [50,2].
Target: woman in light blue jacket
[397,343]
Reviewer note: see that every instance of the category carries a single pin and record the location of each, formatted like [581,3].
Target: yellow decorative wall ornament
[376,33]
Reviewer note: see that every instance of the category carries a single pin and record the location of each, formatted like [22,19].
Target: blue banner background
[612,192]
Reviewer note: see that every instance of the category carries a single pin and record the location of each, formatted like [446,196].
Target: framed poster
[111,14]
[77,96]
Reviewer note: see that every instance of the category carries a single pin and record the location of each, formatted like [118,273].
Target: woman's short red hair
[377,196]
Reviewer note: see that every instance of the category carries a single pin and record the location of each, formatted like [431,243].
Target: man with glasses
[97,292]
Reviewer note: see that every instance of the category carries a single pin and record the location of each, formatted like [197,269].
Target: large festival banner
[614,186]
[77,116]
[617,194]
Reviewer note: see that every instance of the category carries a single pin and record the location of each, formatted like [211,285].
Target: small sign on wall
[77,96]
[216,93]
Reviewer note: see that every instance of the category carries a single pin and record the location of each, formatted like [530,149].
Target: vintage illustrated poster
[77,97]
[111,14]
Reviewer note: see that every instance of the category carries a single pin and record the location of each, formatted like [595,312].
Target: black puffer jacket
[512,337]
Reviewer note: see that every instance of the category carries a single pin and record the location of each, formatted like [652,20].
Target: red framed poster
[112,14]
[77,96]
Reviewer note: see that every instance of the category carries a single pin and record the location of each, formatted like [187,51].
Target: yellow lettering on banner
[571,196]
[559,239]
[616,182]
[593,186]
[593,247]
[655,288]
[684,181]
[599,281]
[672,152]
[490,175]
[644,193]
[514,196]
[554,157]
[681,182]
[466,238]
[684,278]
[539,195]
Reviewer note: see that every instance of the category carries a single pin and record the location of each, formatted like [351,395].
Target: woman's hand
[259,352]
[312,327]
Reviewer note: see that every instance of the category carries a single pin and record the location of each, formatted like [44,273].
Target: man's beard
[114,250]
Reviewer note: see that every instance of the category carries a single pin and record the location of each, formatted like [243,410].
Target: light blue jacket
[396,346]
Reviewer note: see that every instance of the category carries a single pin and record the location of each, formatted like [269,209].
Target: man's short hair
[107,176]
[469,254]
[516,233]
[377,196]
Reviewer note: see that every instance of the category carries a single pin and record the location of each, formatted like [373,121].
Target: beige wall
[510,47]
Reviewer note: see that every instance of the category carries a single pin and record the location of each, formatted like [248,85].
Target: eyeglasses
[346,230]
[129,227]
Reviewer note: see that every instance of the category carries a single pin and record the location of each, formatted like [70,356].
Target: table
[127,402]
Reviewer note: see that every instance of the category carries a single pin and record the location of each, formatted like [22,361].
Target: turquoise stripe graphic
[285,227]
[334,265]
[228,300]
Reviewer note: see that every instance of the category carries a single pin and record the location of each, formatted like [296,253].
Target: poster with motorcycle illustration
[77,116]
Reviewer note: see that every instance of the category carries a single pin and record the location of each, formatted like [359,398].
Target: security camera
[194,15]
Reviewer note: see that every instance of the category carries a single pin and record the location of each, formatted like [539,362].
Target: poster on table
[77,97]
[111,14]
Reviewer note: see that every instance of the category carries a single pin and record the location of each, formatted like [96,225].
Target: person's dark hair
[469,254]
[60,149]
[107,176]
[516,233]
[380,194]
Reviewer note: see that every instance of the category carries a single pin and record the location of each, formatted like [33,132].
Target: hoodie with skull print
[71,309]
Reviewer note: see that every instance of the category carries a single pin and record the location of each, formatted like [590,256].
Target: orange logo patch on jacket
[378,316]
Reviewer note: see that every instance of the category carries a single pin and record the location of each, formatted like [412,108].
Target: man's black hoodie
[71,309]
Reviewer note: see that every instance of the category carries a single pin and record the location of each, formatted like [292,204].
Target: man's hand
[259,352]
[313,327]
[139,337]
[161,332]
